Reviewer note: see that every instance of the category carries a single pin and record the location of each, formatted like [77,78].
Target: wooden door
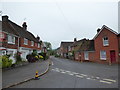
[112,56]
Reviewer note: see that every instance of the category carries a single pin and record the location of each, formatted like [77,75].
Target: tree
[48,45]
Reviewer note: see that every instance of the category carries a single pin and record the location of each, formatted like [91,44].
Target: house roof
[13,28]
[77,42]
[6,27]
[86,45]
[104,26]
[66,44]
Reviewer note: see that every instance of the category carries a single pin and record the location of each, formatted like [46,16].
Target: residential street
[66,73]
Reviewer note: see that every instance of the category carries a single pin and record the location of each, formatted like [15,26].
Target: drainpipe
[18,43]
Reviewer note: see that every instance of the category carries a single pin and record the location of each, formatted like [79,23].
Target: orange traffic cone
[36,75]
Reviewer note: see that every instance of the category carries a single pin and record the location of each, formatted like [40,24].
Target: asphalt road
[66,73]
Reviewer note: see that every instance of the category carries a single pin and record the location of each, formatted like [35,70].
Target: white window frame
[104,41]
[25,41]
[86,55]
[38,45]
[101,57]
[32,43]
[2,35]
[11,39]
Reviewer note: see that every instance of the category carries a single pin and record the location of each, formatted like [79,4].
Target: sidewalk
[21,73]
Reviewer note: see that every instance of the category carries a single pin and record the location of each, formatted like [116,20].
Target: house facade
[106,46]
[64,49]
[103,48]
[16,38]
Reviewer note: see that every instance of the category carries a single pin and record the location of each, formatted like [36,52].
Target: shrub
[18,57]
[6,62]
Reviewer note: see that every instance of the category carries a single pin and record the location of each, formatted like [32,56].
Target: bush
[6,62]
[18,57]
[31,58]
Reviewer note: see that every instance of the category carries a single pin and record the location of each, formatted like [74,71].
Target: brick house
[106,46]
[15,38]
[103,48]
[85,50]
[64,46]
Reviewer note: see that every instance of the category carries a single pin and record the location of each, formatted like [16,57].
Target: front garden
[6,62]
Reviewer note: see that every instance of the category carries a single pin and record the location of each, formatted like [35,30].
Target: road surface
[66,73]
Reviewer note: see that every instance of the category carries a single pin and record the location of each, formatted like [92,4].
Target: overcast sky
[62,21]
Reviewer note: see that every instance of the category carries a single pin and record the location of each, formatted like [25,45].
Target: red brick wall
[119,48]
[7,45]
[29,44]
[113,45]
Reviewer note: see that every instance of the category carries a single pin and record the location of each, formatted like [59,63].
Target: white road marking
[88,78]
[63,72]
[110,80]
[105,82]
[83,74]
[71,74]
[67,71]
[75,73]
[79,76]
[98,77]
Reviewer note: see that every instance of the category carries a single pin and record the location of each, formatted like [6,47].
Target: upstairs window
[1,35]
[38,45]
[11,39]
[105,41]
[25,41]
[32,43]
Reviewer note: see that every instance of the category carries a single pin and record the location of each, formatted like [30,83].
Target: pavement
[65,73]
[22,73]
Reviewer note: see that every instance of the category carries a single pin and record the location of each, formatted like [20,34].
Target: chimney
[98,30]
[38,38]
[5,18]
[24,25]
[75,39]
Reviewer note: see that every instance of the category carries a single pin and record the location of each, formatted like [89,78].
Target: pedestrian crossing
[84,76]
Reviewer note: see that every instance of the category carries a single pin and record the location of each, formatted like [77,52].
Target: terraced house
[103,48]
[15,38]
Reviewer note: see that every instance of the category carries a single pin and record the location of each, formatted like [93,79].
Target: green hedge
[5,61]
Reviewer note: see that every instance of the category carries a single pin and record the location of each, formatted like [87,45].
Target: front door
[112,56]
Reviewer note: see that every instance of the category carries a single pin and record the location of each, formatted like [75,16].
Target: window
[38,45]
[69,48]
[86,56]
[32,43]
[25,41]
[11,39]
[103,55]
[1,35]
[105,41]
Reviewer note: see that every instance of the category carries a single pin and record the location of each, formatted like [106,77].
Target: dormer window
[25,41]
[11,39]
[32,43]
[105,41]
